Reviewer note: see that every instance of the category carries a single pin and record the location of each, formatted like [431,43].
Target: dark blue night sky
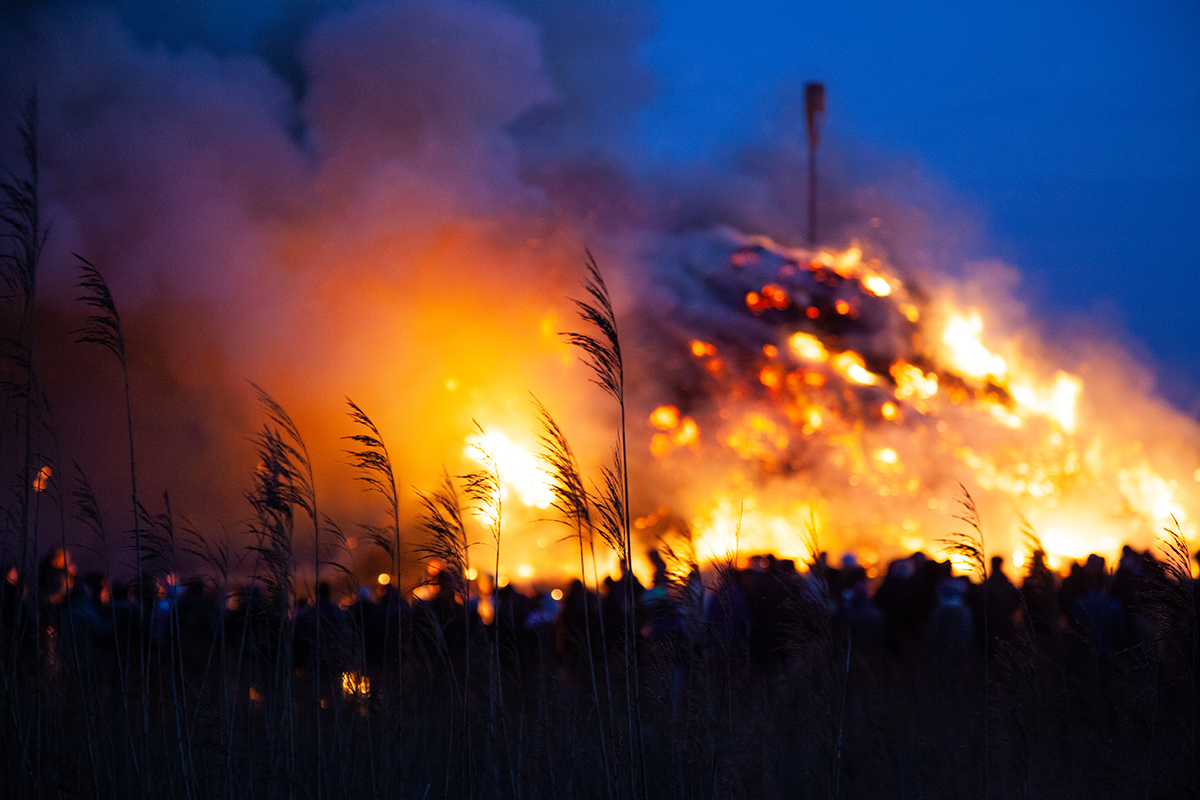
[1070,131]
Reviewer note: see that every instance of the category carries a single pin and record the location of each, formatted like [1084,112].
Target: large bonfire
[797,400]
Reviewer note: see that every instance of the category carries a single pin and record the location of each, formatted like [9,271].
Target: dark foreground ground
[756,683]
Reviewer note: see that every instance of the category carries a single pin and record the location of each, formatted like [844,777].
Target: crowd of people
[913,677]
[763,609]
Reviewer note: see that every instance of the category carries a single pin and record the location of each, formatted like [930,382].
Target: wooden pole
[814,115]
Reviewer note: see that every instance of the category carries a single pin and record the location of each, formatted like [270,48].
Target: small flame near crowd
[355,685]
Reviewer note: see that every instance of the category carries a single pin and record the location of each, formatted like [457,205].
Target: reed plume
[968,545]
[441,518]
[602,353]
[103,327]
[572,500]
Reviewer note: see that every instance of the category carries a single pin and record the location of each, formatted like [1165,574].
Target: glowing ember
[965,354]
[808,347]
[1057,401]
[851,365]
[886,455]
[355,685]
[911,382]
[877,285]
[41,481]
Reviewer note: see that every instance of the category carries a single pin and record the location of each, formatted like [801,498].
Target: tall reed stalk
[602,354]
[103,327]
[284,482]
[219,558]
[161,552]
[78,655]
[24,237]
[483,487]
[442,518]
[571,500]
[373,466]
[969,546]
[1177,601]
[302,493]
[87,512]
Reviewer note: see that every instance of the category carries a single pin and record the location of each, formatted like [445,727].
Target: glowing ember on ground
[354,684]
[41,481]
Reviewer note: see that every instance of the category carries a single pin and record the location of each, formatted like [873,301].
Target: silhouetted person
[578,617]
[857,614]
[369,620]
[1098,618]
[907,597]
[658,618]
[772,590]
[56,576]
[333,647]
[1041,602]
[996,602]
[951,630]
[619,608]
[198,613]
[726,615]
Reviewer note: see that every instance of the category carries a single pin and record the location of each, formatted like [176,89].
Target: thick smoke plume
[391,202]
